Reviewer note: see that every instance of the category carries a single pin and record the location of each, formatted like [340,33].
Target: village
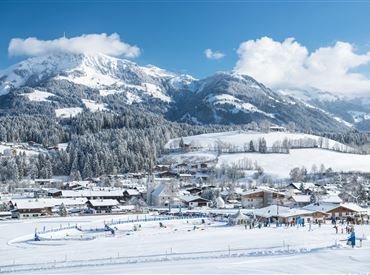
[201,188]
[182,190]
[186,180]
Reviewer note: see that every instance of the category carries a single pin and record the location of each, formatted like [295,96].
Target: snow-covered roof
[108,202]
[191,198]
[302,198]
[354,207]
[320,207]
[185,175]
[326,207]
[92,193]
[47,202]
[132,192]
[306,185]
[32,204]
[331,198]
[280,211]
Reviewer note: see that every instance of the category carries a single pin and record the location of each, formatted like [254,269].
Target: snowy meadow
[194,245]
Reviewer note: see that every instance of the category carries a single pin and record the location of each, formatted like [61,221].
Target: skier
[352,238]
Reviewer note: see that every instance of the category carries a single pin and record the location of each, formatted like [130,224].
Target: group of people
[351,240]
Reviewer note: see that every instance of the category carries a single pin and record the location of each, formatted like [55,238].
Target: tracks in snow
[216,254]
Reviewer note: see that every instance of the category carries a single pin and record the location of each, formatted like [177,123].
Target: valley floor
[180,246]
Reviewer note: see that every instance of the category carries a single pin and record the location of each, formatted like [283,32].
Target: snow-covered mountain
[67,84]
[235,98]
[352,111]
[105,74]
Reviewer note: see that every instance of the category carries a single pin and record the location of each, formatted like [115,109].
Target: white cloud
[289,65]
[213,54]
[87,43]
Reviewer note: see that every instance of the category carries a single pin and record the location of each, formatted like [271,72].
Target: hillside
[310,151]
[242,138]
[63,85]
[352,111]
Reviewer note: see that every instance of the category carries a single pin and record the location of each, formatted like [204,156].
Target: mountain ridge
[98,82]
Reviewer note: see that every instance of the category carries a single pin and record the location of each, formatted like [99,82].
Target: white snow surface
[107,74]
[281,164]
[93,106]
[359,116]
[37,95]
[67,112]
[219,100]
[275,164]
[178,248]
[4,147]
[239,138]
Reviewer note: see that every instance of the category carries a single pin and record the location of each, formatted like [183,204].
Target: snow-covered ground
[93,106]
[239,105]
[281,164]
[19,149]
[39,96]
[275,164]
[239,138]
[212,247]
[67,112]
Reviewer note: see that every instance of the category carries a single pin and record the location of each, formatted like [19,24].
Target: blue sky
[174,35]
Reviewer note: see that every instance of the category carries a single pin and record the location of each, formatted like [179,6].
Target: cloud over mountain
[87,43]
[210,54]
[289,64]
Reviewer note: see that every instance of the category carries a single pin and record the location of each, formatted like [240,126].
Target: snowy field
[68,112]
[10,146]
[239,138]
[281,164]
[181,246]
[274,164]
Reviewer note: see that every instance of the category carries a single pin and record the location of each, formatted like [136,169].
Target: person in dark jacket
[352,238]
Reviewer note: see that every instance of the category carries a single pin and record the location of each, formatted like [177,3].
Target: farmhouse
[195,201]
[344,210]
[262,197]
[347,210]
[115,194]
[130,193]
[194,190]
[30,208]
[283,214]
[102,206]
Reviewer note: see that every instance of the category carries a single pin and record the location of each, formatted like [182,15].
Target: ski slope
[179,248]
